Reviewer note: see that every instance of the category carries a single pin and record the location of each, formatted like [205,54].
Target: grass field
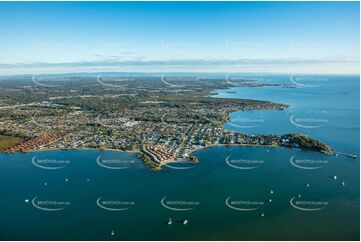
[8,141]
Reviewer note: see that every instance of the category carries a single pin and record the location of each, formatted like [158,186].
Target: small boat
[170,221]
[299,195]
[271,191]
[112,233]
[343,183]
[307,185]
[26,200]
[262,214]
[270,200]
[66,179]
[334,177]
[185,222]
[45,183]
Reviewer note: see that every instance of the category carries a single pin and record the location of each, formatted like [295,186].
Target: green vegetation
[178,114]
[8,141]
[148,161]
[309,143]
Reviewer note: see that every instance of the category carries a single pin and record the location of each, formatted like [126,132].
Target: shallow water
[107,195]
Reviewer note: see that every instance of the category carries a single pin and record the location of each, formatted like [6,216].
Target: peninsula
[162,119]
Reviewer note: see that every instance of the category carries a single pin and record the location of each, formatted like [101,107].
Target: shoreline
[70,149]
[194,159]
[157,166]
[139,151]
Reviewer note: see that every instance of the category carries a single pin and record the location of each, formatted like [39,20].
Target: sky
[263,37]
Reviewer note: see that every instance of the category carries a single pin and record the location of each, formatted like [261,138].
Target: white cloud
[332,65]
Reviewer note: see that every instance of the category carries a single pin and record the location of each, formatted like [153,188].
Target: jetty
[345,154]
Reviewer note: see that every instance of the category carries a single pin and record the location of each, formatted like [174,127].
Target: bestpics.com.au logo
[243,205]
[114,164]
[308,81]
[50,164]
[236,80]
[307,164]
[302,204]
[179,205]
[114,205]
[113,82]
[178,46]
[246,123]
[45,81]
[49,205]
[308,122]
[170,81]
[244,164]
[182,165]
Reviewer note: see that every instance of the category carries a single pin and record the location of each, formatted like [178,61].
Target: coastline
[70,149]
[320,147]
[172,161]
[157,166]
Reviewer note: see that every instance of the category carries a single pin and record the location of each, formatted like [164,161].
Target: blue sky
[290,37]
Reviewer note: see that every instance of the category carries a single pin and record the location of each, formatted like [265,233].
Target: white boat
[170,221]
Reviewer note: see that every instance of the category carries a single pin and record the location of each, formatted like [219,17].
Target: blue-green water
[329,110]
[29,192]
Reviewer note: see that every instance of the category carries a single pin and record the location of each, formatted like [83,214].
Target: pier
[345,154]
